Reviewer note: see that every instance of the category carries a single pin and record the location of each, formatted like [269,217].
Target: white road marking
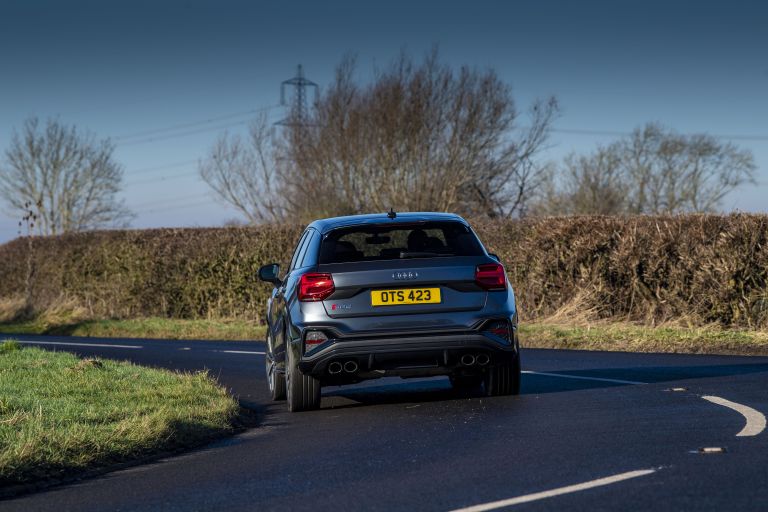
[67,343]
[579,377]
[242,352]
[557,492]
[710,449]
[755,419]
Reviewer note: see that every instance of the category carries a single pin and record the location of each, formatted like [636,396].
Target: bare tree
[70,179]
[592,184]
[418,137]
[669,172]
[654,170]
[244,173]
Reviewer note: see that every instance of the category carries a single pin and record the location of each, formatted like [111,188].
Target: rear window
[399,241]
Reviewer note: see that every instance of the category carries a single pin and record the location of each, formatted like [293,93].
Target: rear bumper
[414,355]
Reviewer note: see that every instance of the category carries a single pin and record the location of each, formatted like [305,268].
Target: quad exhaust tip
[480,359]
[336,367]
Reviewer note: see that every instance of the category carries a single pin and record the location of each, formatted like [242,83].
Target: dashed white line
[579,377]
[72,344]
[242,352]
[755,419]
[527,498]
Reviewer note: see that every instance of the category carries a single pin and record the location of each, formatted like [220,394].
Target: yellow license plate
[404,296]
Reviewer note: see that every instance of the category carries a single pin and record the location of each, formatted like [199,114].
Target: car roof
[325,225]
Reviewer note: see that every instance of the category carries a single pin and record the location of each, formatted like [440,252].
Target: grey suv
[409,295]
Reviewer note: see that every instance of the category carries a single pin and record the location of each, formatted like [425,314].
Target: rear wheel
[303,391]
[503,378]
[275,380]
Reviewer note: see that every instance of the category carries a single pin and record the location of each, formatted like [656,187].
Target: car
[391,294]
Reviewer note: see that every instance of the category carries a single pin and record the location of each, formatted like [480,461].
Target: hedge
[700,269]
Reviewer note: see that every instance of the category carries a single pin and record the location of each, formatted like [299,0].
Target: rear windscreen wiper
[423,254]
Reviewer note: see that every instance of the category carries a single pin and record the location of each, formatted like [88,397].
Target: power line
[182,134]
[161,167]
[610,133]
[150,204]
[215,119]
[159,179]
[180,207]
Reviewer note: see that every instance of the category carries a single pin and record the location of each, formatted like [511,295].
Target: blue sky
[120,68]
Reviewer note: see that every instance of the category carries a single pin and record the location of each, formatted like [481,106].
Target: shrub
[697,269]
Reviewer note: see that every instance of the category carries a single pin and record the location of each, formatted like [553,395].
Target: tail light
[314,338]
[499,328]
[491,276]
[314,287]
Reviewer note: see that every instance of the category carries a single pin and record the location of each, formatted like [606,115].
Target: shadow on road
[392,391]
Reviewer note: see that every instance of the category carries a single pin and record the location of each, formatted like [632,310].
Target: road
[590,431]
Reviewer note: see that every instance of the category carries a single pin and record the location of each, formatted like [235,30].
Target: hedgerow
[699,269]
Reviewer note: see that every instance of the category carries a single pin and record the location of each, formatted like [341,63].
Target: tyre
[275,380]
[466,383]
[303,391]
[503,379]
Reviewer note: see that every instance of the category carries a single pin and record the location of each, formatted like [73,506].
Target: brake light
[315,338]
[491,276]
[314,287]
[498,328]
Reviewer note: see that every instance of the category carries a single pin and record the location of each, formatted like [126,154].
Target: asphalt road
[590,431]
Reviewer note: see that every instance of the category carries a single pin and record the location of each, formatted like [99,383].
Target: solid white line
[755,419]
[242,352]
[579,377]
[33,342]
[557,492]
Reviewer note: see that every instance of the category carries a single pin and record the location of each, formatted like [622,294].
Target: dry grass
[627,337]
[11,309]
[157,328]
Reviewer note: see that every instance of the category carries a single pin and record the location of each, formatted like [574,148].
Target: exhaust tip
[334,368]
[467,359]
[350,367]
[482,359]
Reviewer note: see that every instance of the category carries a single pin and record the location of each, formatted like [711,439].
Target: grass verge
[61,415]
[563,335]
[161,328]
[634,338]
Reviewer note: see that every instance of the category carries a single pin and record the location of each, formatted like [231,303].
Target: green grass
[161,328]
[9,346]
[635,338]
[61,415]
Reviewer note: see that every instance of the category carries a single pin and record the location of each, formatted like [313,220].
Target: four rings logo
[404,275]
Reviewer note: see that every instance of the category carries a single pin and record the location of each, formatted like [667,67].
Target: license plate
[405,296]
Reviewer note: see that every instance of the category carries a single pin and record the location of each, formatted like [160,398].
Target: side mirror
[494,256]
[268,273]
